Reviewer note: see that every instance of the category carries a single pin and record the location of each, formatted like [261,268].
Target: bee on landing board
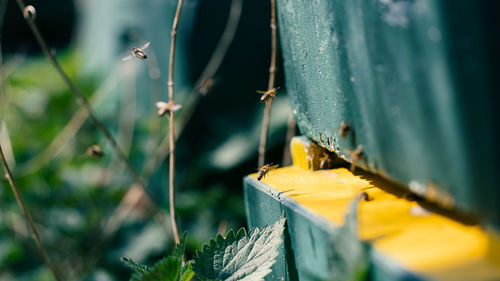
[264,170]
[268,95]
[138,52]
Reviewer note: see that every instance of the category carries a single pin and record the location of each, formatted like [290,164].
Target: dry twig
[272,74]
[171,178]
[20,202]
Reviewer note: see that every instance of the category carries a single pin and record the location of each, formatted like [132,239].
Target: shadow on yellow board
[426,243]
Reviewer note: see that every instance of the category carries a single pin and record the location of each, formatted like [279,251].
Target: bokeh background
[45,134]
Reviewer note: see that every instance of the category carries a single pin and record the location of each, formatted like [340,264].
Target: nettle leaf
[240,256]
[140,268]
[167,269]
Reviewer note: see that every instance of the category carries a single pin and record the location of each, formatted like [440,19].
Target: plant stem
[272,74]
[171,177]
[20,202]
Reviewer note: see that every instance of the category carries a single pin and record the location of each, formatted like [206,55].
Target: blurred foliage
[71,195]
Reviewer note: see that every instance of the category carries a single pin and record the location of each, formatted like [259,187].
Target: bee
[364,196]
[206,86]
[95,150]
[325,162]
[356,156]
[345,129]
[264,170]
[268,95]
[138,52]
[166,107]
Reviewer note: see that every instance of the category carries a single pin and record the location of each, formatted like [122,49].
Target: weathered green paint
[416,80]
[309,239]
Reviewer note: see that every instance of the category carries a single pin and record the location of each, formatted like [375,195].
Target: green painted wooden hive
[415,80]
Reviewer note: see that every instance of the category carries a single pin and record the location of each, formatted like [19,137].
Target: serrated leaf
[167,269]
[140,268]
[240,256]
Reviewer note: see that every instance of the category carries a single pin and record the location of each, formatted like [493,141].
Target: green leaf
[140,268]
[167,269]
[187,271]
[240,256]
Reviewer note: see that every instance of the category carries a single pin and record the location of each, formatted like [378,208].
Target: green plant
[238,256]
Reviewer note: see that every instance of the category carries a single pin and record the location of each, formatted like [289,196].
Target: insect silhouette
[268,95]
[345,129]
[325,162]
[138,52]
[264,170]
[356,156]
[95,151]
[166,107]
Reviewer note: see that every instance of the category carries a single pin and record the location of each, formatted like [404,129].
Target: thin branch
[272,74]
[20,202]
[171,170]
[77,93]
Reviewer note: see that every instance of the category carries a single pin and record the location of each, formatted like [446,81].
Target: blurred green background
[72,195]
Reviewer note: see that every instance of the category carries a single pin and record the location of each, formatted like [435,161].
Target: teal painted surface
[416,80]
[313,248]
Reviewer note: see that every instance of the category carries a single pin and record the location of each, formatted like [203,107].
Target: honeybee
[206,85]
[95,150]
[356,156]
[268,95]
[166,107]
[325,162]
[138,52]
[264,170]
[364,196]
[345,129]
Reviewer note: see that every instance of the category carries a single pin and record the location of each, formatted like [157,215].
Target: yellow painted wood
[428,244]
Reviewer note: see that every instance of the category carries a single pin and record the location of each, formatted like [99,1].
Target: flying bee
[264,170]
[95,150]
[345,129]
[206,86]
[138,52]
[166,107]
[268,95]
[356,156]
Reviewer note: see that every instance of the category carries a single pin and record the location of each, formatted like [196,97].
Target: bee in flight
[138,52]
[268,95]
[345,129]
[356,156]
[95,150]
[264,170]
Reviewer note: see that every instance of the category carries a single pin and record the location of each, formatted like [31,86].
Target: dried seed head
[29,12]
[166,107]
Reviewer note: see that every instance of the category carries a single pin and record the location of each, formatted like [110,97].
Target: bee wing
[126,58]
[145,46]
[176,107]
[261,92]
[273,167]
